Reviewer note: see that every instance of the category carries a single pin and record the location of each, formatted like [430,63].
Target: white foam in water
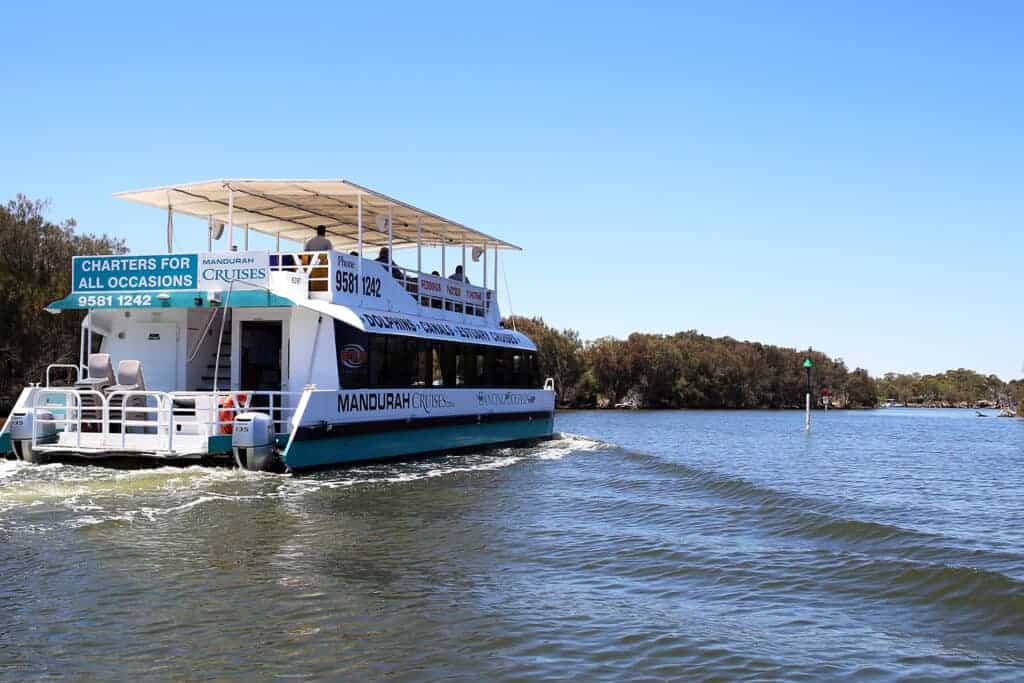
[567,444]
[96,495]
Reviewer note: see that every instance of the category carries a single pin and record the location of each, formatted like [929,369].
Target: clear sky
[843,175]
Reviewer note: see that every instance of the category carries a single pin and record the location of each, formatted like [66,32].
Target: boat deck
[149,445]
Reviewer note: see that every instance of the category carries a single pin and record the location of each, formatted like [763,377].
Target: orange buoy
[227,413]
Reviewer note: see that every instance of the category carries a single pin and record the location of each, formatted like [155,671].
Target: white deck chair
[101,376]
[129,378]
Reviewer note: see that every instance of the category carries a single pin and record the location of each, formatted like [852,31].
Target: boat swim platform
[105,445]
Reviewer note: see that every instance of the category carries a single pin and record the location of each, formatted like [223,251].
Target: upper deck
[361,283]
[356,221]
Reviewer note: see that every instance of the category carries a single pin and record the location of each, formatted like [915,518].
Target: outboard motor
[22,422]
[252,442]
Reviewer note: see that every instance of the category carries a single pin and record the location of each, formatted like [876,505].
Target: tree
[560,357]
[35,269]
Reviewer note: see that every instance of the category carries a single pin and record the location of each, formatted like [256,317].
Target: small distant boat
[980,414]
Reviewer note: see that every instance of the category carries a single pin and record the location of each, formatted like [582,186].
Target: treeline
[35,269]
[951,388]
[689,370]
[683,370]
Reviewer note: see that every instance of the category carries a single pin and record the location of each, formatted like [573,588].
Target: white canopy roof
[293,209]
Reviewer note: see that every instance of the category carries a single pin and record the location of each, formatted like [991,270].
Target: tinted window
[353,356]
[393,361]
[424,371]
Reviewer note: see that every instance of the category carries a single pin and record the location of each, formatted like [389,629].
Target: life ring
[227,413]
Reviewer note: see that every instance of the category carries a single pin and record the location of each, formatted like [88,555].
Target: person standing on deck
[318,275]
[320,242]
[459,275]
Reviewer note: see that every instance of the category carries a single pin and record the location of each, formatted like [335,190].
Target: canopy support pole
[82,360]
[359,220]
[245,233]
[170,229]
[88,341]
[463,260]
[444,244]
[278,243]
[231,224]
[391,251]
[419,246]
[495,274]
[485,270]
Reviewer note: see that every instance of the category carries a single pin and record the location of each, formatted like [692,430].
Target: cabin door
[260,355]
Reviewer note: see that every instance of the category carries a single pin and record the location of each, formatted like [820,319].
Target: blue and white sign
[134,273]
[246,269]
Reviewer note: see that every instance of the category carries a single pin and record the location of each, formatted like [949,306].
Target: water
[648,546]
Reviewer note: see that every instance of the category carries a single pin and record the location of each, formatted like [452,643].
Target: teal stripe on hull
[5,443]
[350,449]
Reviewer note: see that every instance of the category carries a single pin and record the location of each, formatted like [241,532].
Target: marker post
[808,364]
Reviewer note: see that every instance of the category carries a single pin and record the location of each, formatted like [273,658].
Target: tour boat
[287,360]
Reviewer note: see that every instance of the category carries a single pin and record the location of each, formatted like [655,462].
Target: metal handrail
[75,412]
[410,280]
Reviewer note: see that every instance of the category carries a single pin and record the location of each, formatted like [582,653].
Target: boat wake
[76,496]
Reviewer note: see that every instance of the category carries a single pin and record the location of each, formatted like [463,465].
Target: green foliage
[688,370]
[953,387]
[35,269]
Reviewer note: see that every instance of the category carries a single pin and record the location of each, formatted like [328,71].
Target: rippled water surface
[641,546]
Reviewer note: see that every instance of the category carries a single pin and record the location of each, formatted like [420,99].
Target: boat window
[462,359]
[498,372]
[435,361]
[449,352]
[531,360]
[353,356]
[518,370]
[424,371]
[393,361]
[482,367]
[402,351]
[379,361]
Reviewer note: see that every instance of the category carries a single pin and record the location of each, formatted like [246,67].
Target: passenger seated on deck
[320,242]
[459,275]
[384,256]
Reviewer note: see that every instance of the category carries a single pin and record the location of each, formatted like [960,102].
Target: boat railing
[313,265]
[117,419]
[429,290]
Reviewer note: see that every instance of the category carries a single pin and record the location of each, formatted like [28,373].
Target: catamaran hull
[351,443]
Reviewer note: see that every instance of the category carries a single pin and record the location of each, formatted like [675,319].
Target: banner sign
[245,268]
[169,272]
[133,273]
[438,329]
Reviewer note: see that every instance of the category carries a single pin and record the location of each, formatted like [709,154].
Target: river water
[638,545]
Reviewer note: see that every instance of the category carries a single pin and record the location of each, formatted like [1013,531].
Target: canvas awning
[293,208]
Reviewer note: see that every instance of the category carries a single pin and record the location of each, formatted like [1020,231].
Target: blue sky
[843,175]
